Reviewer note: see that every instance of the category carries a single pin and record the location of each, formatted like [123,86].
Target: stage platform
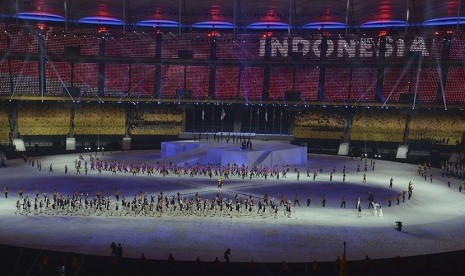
[251,135]
[263,152]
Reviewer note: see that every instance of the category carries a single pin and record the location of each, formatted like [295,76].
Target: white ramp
[343,149]
[126,144]
[402,151]
[19,144]
[70,143]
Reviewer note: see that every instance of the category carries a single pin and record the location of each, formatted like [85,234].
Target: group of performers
[153,205]
[143,204]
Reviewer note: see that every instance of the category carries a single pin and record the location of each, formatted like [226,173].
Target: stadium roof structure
[256,14]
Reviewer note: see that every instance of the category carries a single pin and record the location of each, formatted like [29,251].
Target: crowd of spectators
[318,124]
[378,126]
[435,128]
[105,119]
[43,118]
[156,122]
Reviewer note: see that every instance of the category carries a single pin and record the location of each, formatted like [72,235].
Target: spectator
[226,255]
[119,252]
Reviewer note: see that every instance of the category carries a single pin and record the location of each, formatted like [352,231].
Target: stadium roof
[240,13]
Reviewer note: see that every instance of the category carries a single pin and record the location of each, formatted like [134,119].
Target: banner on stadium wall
[350,48]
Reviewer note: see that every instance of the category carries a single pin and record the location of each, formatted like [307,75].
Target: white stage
[433,220]
[263,152]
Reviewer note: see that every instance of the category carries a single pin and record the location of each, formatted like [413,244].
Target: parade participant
[343,202]
[296,200]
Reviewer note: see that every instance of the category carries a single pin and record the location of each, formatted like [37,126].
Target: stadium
[223,137]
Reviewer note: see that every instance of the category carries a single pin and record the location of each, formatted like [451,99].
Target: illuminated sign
[349,48]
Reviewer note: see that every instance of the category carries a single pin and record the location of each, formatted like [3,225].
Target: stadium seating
[131,45]
[116,79]
[102,119]
[25,77]
[306,82]
[142,80]
[436,127]
[86,77]
[377,125]
[319,124]
[226,46]
[43,118]
[252,83]
[239,47]
[199,44]
[280,82]
[457,48]
[172,80]
[5,129]
[396,81]
[337,84]
[58,75]
[4,78]
[427,84]
[24,42]
[88,44]
[245,47]
[226,82]
[454,90]
[363,85]
[197,78]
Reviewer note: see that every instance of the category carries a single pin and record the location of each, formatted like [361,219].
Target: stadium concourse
[433,218]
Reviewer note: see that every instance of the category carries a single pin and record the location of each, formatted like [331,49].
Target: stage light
[41,26]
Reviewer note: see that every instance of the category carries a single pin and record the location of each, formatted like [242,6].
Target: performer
[296,200]
[343,202]
[220,183]
[309,200]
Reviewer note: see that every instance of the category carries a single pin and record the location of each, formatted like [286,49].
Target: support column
[380,73]
[266,75]
[444,72]
[10,69]
[322,78]
[158,79]
[41,49]
[101,68]
[72,111]
[212,79]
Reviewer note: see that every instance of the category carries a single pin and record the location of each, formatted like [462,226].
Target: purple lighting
[444,21]
[383,24]
[158,23]
[268,26]
[39,16]
[324,25]
[213,25]
[100,20]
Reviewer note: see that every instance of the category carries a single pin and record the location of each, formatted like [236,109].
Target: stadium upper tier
[414,68]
